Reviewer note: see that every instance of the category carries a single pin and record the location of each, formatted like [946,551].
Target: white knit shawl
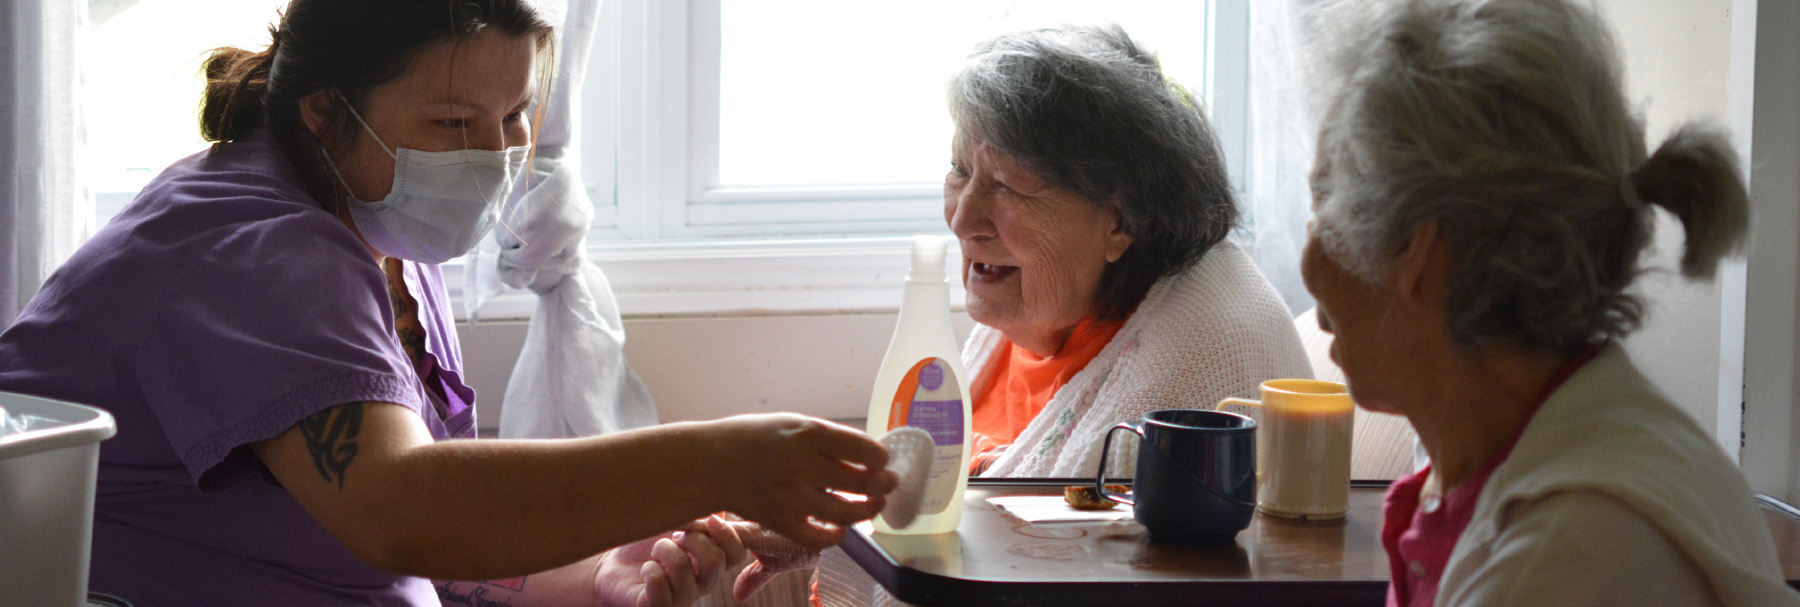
[1212,331]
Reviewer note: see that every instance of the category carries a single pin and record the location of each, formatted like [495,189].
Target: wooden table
[996,559]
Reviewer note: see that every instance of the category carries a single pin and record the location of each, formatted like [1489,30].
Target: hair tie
[271,58]
[1628,190]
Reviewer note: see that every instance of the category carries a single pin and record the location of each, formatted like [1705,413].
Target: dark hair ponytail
[347,47]
[235,82]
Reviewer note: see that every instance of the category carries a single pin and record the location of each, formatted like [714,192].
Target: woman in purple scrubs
[268,325]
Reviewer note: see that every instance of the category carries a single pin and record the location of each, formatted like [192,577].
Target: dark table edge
[919,587]
[915,586]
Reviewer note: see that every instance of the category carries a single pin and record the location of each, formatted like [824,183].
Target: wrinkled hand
[669,570]
[774,554]
[782,469]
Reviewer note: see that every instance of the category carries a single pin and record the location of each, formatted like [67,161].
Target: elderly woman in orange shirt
[1092,205]
[1091,201]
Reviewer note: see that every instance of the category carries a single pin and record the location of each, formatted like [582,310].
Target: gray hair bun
[1694,174]
[1504,121]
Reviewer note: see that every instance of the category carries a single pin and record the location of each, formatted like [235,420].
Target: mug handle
[1100,475]
[1238,401]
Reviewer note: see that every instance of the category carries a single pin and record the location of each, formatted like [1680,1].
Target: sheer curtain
[46,210]
[1282,132]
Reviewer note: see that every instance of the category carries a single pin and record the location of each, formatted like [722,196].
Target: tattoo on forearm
[475,594]
[331,438]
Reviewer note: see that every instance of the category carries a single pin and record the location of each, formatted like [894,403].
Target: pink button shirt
[1420,534]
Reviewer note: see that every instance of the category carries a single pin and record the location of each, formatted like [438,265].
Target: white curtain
[1282,134]
[571,378]
[46,210]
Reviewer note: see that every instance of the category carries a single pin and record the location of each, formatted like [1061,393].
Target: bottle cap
[928,254]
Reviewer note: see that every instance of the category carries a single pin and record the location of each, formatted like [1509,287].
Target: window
[766,155]
[799,132]
[142,73]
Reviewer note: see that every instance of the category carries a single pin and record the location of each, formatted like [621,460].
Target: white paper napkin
[1039,509]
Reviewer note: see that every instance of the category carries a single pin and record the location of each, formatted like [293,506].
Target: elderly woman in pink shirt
[1483,195]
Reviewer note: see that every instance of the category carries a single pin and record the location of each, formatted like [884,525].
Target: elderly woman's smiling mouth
[989,273]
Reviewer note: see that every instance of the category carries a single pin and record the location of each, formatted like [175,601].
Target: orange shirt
[1020,384]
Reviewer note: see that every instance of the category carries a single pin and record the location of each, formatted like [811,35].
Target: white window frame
[673,244]
[1759,349]
[663,160]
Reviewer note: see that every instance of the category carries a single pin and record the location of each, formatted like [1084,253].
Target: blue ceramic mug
[1196,475]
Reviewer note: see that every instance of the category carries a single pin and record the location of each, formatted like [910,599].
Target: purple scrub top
[218,310]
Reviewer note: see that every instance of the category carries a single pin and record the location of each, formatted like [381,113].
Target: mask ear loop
[365,125]
[330,162]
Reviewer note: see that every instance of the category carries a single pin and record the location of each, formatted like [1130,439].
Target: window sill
[736,278]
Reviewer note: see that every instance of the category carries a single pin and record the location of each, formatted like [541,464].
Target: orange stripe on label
[901,407]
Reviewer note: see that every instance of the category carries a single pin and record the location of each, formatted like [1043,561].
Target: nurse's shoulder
[230,226]
[224,241]
[243,188]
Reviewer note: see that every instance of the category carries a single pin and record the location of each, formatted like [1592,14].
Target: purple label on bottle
[942,418]
[931,376]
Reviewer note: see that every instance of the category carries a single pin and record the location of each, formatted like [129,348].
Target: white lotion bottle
[922,384]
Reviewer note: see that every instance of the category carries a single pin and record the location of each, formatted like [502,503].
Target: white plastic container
[47,501]
[922,384]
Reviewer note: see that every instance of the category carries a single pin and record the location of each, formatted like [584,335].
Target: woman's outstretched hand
[669,570]
[787,471]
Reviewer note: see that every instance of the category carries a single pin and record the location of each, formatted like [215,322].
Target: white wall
[1677,59]
[1677,65]
[703,368]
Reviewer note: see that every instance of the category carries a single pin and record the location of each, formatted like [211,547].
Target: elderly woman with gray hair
[1092,205]
[1483,194]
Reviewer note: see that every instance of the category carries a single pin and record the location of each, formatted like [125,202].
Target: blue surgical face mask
[441,204]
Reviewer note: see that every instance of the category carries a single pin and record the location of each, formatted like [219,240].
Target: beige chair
[1382,446]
